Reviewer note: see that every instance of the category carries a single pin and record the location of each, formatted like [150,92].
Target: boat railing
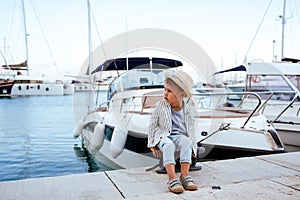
[235,108]
[208,105]
[279,102]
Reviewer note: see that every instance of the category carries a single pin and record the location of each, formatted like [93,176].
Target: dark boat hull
[5,88]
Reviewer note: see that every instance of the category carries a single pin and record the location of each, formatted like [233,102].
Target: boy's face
[172,95]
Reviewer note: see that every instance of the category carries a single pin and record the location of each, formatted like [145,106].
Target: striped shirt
[161,123]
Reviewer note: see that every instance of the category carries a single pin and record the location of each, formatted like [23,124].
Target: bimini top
[264,68]
[282,68]
[137,63]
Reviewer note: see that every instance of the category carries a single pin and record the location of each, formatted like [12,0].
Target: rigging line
[7,52]
[296,11]
[11,23]
[104,52]
[45,38]
[99,36]
[245,59]
[3,58]
[98,32]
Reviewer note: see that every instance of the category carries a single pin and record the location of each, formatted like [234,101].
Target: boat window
[136,79]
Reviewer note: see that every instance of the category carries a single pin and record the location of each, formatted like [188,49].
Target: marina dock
[274,176]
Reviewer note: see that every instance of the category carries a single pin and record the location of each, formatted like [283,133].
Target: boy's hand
[156,152]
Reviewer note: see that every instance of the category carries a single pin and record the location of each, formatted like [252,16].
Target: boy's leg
[170,168]
[167,147]
[184,169]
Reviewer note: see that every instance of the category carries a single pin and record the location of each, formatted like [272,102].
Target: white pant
[172,143]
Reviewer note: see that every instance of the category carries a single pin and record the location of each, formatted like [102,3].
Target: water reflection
[84,156]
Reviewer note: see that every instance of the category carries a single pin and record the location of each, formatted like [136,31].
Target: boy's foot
[175,186]
[188,183]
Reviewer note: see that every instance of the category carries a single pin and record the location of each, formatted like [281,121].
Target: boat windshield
[295,79]
[267,84]
[137,79]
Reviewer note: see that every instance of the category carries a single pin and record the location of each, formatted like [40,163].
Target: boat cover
[137,63]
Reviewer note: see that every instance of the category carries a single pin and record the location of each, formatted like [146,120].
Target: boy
[172,129]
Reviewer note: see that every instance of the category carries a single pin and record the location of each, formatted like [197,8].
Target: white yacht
[24,83]
[278,84]
[118,128]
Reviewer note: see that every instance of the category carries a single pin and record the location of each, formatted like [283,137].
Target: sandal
[188,183]
[175,186]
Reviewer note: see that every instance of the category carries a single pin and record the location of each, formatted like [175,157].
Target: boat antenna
[283,21]
[127,62]
[274,56]
[26,35]
[263,18]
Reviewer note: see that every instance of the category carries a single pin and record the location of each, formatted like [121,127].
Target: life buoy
[98,136]
[255,79]
[117,142]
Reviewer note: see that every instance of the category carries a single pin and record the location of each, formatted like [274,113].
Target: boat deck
[274,176]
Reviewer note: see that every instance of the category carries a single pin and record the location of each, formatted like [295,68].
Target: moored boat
[118,128]
[24,83]
[278,84]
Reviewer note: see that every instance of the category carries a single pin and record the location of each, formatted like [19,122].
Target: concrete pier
[263,177]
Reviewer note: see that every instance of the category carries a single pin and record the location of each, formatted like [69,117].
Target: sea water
[36,138]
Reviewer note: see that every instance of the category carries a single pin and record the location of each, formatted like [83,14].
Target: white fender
[78,129]
[98,136]
[117,142]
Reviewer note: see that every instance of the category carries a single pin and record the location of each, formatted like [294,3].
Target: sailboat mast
[25,36]
[90,55]
[282,30]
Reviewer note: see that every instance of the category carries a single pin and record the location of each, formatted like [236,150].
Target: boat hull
[132,156]
[68,89]
[5,89]
[227,144]
[35,89]
[289,134]
[288,124]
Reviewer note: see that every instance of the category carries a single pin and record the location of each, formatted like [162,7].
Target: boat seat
[150,99]
[225,113]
